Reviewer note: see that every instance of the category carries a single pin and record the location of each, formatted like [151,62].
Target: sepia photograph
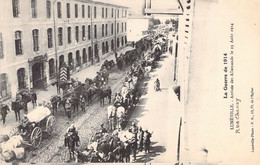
[130,81]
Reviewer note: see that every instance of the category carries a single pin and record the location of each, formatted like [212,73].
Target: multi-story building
[38,36]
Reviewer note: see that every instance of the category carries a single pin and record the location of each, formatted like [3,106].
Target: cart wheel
[50,124]
[36,137]
[14,131]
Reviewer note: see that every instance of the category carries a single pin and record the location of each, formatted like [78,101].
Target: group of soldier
[139,140]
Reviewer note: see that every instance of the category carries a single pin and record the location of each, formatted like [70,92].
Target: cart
[38,121]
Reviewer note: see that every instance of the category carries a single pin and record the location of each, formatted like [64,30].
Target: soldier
[34,99]
[103,129]
[68,108]
[119,151]
[147,141]
[127,152]
[82,103]
[4,108]
[141,139]
[73,131]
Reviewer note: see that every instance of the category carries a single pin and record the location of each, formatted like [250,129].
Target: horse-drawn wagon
[33,125]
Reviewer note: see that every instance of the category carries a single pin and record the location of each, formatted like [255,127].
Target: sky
[136,5]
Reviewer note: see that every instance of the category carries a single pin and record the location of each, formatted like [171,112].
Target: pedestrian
[68,108]
[34,99]
[4,111]
[170,49]
[141,139]
[147,141]
[82,103]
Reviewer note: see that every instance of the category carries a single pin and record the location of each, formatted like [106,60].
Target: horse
[71,141]
[120,114]
[104,93]
[16,107]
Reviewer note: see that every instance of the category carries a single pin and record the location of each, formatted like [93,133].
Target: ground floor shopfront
[40,71]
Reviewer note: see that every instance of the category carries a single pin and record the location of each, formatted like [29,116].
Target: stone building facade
[38,36]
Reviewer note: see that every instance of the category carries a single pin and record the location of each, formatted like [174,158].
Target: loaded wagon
[33,125]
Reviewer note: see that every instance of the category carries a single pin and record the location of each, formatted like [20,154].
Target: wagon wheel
[36,137]
[14,131]
[50,124]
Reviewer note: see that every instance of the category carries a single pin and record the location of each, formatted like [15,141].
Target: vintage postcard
[130,81]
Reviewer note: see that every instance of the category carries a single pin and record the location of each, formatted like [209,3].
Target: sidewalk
[159,112]
[88,72]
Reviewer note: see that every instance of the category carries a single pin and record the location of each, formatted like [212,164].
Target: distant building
[38,36]
[137,25]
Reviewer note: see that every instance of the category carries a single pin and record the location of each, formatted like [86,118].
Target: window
[103,48]
[102,12]
[95,12]
[21,78]
[125,40]
[117,28]
[18,42]
[102,30]
[3,85]
[117,43]
[96,51]
[112,44]
[112,13]
[122,40]
[106,12]
[49,34]
[89,32]
[84,55]
[88,11]
[107,47]
[77,33]
[61,61]
[78,58]
[35,34]
[51,68]
[83,33]
[34,8]
[1,47]
[60,36]
[76,10]
[48,9]
[95,31]
[125,26]
[59,9]
[106,29]
[117,13]
[122,26]
[69,35]
[83,11]
[16,9]
[68,10]
[70,61]
[90,55]
[125,13]
[112,29]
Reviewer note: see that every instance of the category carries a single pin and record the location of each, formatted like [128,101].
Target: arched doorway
[38,78]
[21,78]
[70,61]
